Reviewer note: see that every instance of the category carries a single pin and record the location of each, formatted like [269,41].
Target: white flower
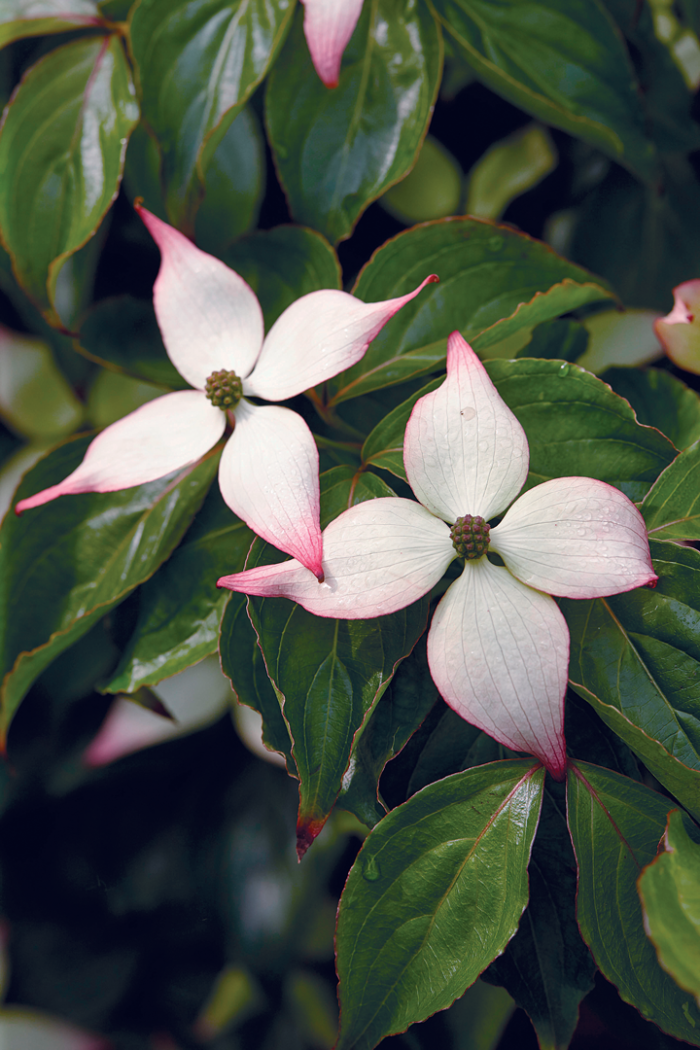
[328,26]
[498,646]
[211,322]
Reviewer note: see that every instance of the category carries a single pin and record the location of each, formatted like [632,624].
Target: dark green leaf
[282,264]
[123,335]
[659,400]
[615,826]
[668,888]
[666,98]
[546,967]
[434,896]
[181,607]
[636,658]
[565,65]
[490,277]
[45,16]
[345,486]
[588,738]
[560,339]
[142,171]
[242,661]
[574,423]
[453,746]
[644,240]
[671,508]
[398,714]
[62,151]
[197,64]
[67,563]
[338,150]
[234,185]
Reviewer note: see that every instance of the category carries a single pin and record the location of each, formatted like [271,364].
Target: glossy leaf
[427,906]
[615,826]
[452,746]
[671,508]
[242,662]
[44,17]
[431,190]
[234,185]
[574,424]
[490,277]
[659,400]
[65,565]
[329,675]
[282,264]
[123,335]
[400,711]
[197,64]
[635,657]
[62,149]
[557,340]
[180,608]
[509,168]
[566,66]
[669,891]
[336,151]
[546,967]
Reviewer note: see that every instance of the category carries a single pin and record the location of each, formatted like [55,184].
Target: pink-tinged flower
[328,26]
[498,646]
[679,331]
[212,327]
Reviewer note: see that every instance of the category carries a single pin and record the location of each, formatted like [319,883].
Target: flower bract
[212,327]
[679,331]
[498,645]
[328,26]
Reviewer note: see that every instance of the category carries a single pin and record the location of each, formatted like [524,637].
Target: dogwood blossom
[212,327]
[679,331]
[498,645]
[328,26]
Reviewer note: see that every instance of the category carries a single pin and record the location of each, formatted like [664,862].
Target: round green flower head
[470,536]
[224,389]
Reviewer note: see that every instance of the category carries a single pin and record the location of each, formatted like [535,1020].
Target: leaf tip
[307,830]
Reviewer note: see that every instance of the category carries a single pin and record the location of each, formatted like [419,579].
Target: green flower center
[470,536]
[224,389]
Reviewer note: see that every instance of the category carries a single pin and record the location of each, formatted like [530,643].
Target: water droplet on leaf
[371,869]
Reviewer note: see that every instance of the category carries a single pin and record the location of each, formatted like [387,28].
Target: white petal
[499,653]
[378,556]
[208,316]
[328,26]
[575,537]
[161,436]
[269,477]
[317,337]
[464,450]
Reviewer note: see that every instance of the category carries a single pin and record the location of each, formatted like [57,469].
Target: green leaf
[242,661]
[36,400]
[671,508]
[431,190]
[567,66]
[635,657]
[17,19]
[453,746]
[344,486]
[669,889]
[490,277]
[560,339]
[575,425]
[113,396]
[336,151]
[434,896]
[400,711]
[123,335]
[615,826]
[180,608]
[282,264]
[65,564]
[660,400]
[62,150]
[234,185]
[546,967]
[509,168]
[197,64]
